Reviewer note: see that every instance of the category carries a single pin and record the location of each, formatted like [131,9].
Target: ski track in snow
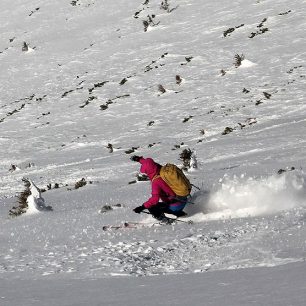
[90,81]
[233,244]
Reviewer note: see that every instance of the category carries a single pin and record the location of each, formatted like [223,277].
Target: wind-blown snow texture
[86,95]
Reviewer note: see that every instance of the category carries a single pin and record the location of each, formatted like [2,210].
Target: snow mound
[237,197]
[35,201]
[246,64]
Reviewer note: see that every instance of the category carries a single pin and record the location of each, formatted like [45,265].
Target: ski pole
[195,186]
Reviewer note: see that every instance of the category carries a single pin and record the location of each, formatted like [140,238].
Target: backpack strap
[155,177]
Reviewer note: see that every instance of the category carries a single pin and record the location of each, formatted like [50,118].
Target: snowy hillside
[86,84]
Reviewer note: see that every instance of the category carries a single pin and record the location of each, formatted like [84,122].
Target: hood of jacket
[149,167]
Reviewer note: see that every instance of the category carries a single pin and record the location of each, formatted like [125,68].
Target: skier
[170,202]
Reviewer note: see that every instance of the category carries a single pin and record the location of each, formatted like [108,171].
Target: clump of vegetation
[107,208]
[81,183]
[32,12]
[149,22]
[189,159]
[185,157]
[284,13]
[178,146]
[267,95]
[238,60]
[188,60]
[281,171]
[187,118]
[19,167]
[261,28]
[55,186]
[110,148]
[132,150]
[178,79]
[74,2]
[231,30]
[227,130]
[123,81]
[13,168]
[21,200]
[25,47]
[161,89]
[166,6]
[228,31]
[111,101]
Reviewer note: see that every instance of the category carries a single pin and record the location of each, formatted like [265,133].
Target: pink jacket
[160,189]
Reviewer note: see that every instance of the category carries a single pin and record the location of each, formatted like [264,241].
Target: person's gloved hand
[136,158]
[139,209]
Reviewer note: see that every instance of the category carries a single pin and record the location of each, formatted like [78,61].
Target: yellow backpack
[176,179]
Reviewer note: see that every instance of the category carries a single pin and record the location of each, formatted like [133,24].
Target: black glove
[139,209]
[136,158]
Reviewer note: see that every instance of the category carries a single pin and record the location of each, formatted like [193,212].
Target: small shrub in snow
[32,12]
[145,25]
[132,150]
[188,157]
[261,28]
[22,201]
[123,81]
[107,208]
[74,2]
[231,30]
[281,171]
[188,60]
[178,79]
[285,13]
[238,60]
[110,148]
[187,118]
[161,89]
[202,132]
[228,31]
[227,130]
[80,183]
[149,22]
[166,6]
[267,95]
[14,168]
[25,47]
[185,157]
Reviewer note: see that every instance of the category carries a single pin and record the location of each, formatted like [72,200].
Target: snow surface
[85,97]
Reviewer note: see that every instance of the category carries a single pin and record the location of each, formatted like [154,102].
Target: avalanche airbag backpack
[176,179]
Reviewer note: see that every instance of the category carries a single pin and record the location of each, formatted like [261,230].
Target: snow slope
[86,96]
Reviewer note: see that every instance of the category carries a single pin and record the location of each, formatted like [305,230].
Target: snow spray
[236,197]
